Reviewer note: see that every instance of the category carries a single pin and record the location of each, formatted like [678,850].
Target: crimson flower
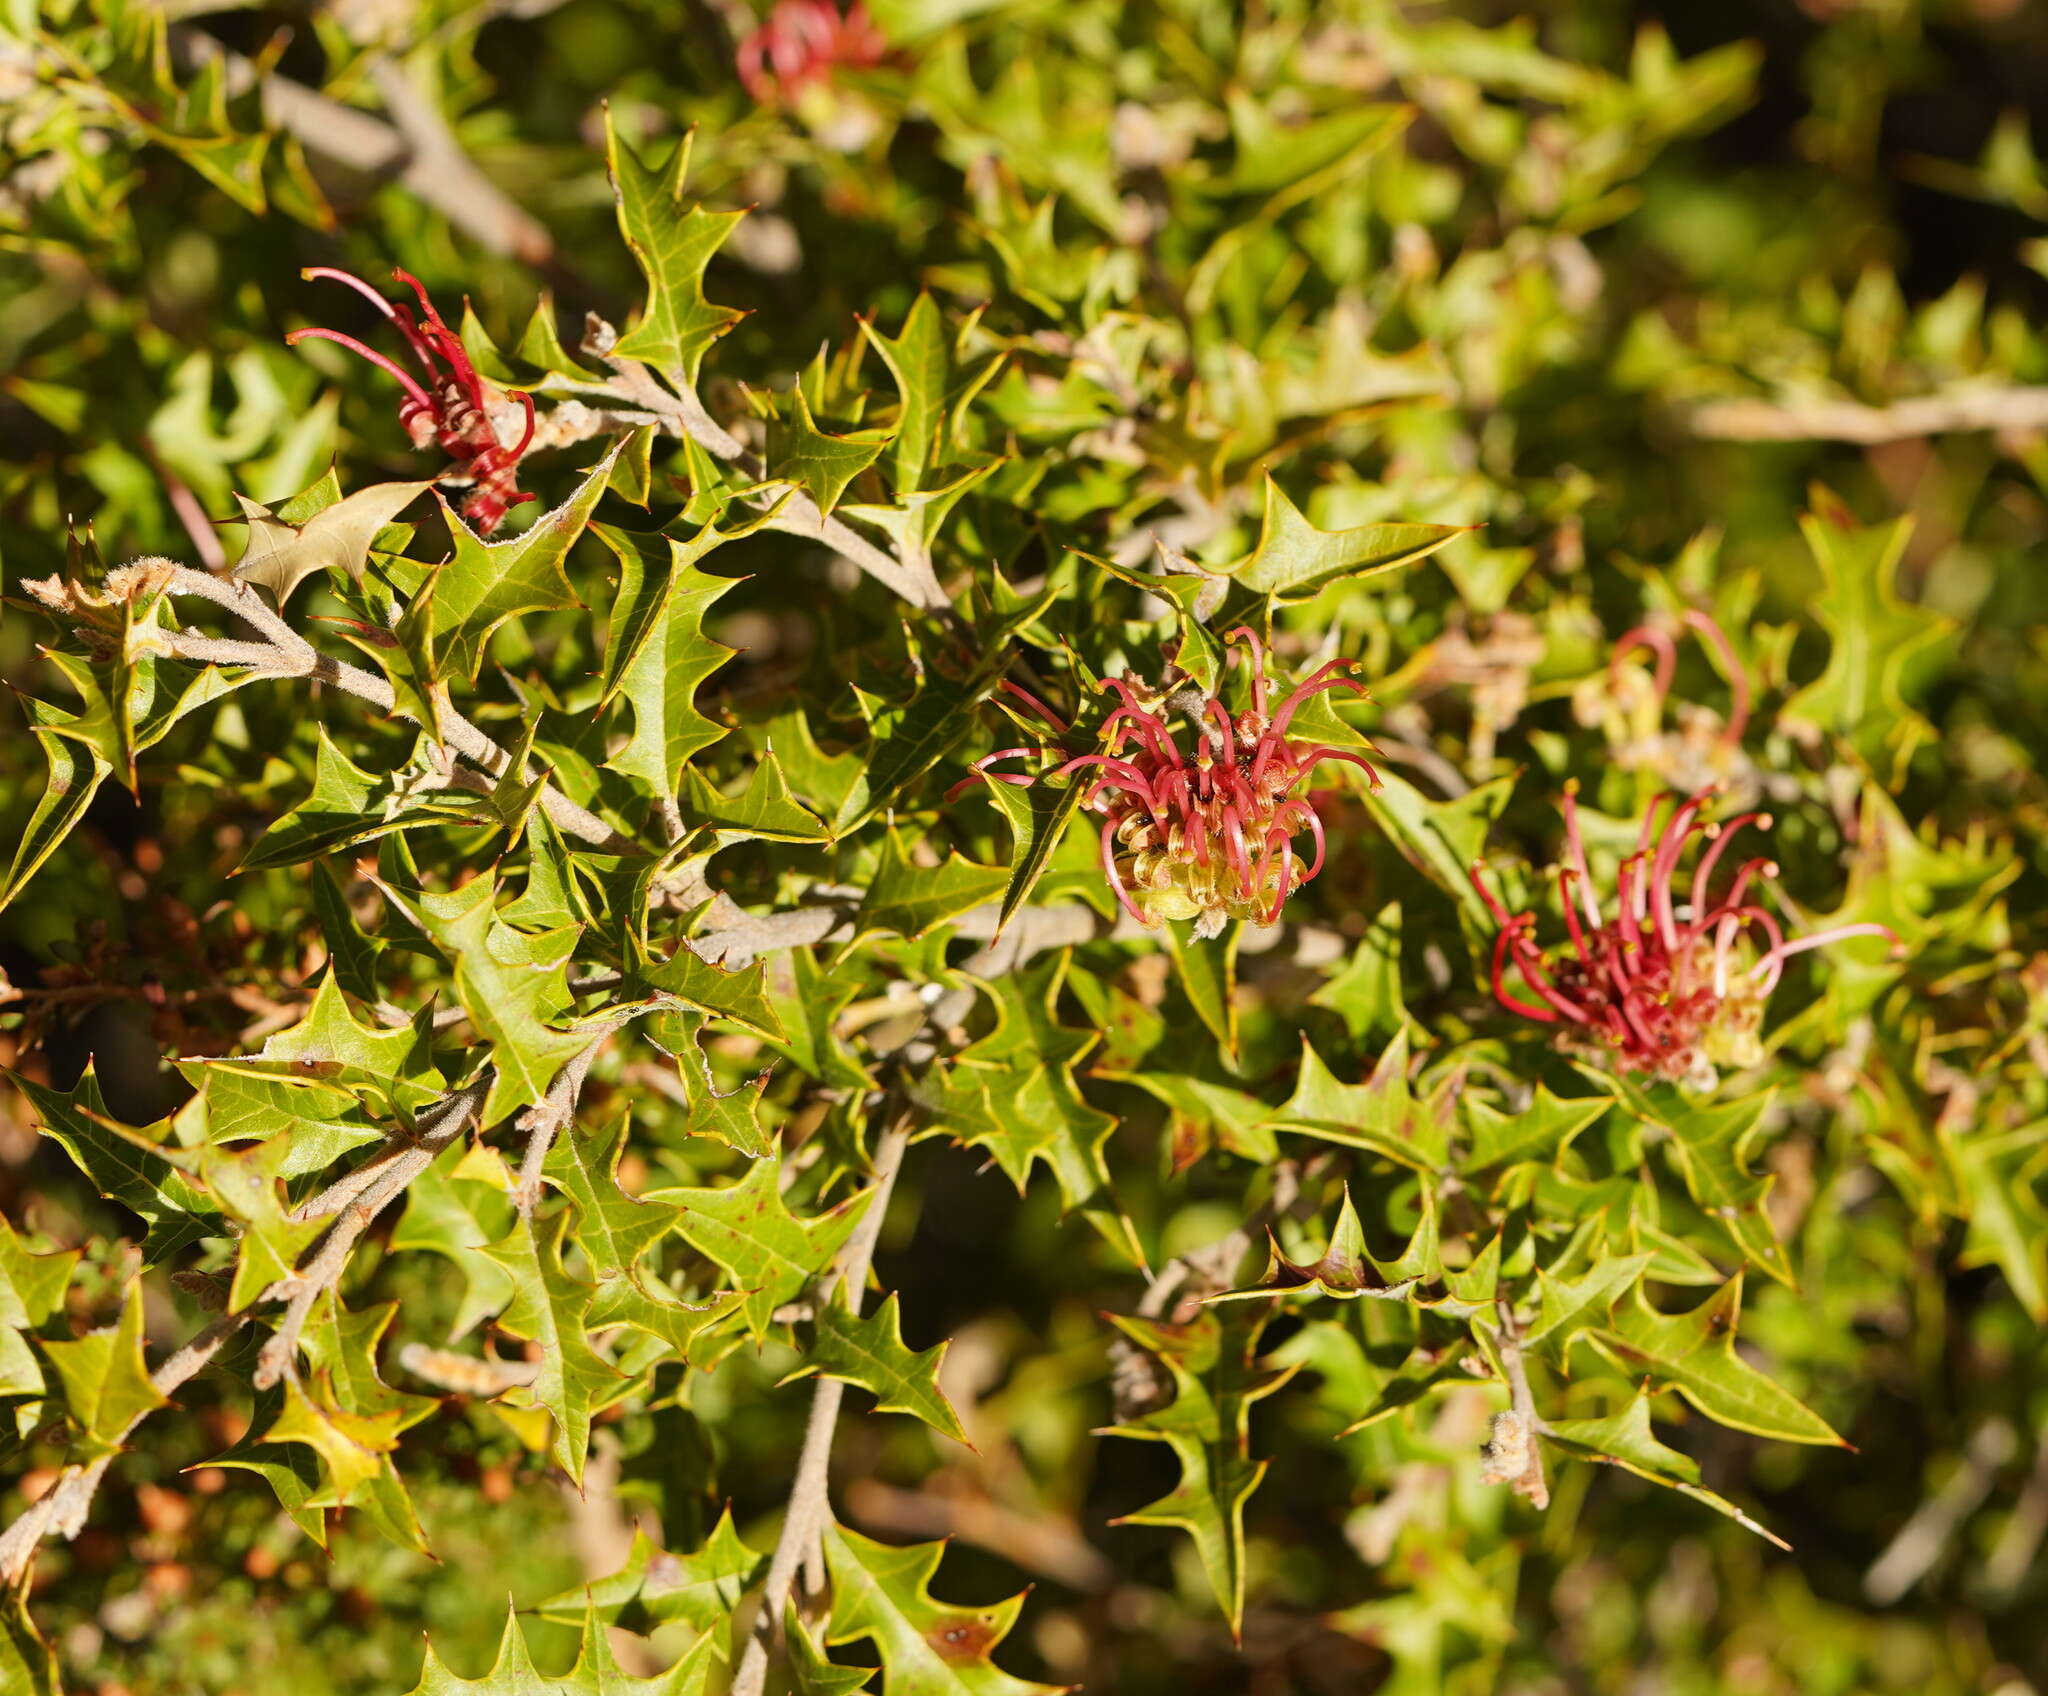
[1672,986]
[800,44]
[1206,834]
[452,409]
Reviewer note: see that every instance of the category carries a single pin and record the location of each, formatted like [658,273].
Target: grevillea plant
[812,1039]
[1207,833]
[1673,986]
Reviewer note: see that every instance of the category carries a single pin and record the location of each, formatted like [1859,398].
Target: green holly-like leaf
[281,555]
[1625,1440]
[672,245]
[1543,1129]
[818,462]
[746,1229]
[513,984]
[907,738]
[870,1351]
[456,1217]
[76,773]
[389,1067]
[1694,1354]
[1213,1364]
[1038,817]
[656,653]
[348,806]
[122,1167]
[654,1588]
[596,1672]
[31,1285]
[292,1470]
[919,357]
[1381,1114]
[1440,839]
[352,1448]
[811,1673]
[763,810]
[1293,559]
[613,1229]
[740,997]
[104,1380]
[1711,1142]
[482,584]
[342,1347]
[1366,993]
[1875,636]
[928,1647]
[1998,1172]
[910,899]
[548,1308]
[1347,1269]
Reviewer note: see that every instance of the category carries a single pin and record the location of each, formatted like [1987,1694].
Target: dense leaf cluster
[759,807]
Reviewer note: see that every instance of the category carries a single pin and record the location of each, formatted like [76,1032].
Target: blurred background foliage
[1630,281]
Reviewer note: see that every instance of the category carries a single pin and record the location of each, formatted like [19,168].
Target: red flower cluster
[1667,987]
[1204,835]
[452,409]
[801,43]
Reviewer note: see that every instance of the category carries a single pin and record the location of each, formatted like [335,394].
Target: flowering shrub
[755,1004]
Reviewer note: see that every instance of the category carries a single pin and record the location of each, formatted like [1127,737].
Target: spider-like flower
[453,409]
[1674,985]
[1206,833]
[1630,706]
[801,43]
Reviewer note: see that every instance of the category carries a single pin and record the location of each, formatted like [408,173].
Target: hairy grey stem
[288,654]
[804,1523]
[452,1116]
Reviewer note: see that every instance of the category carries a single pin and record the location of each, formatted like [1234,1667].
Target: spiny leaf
[672,245]
[1212,1362]
[746,1229]
[1625,1440]
[819,462]
[596,1672]
[870,1351]
[928,1647]
[1694,1353]
[281,555]
[76,772]
[613,1229]
[482,584]
[548,1308]
[656,653]
[1293,559]
[911,899]
[104,1380]
[1875,637]
[701,1590]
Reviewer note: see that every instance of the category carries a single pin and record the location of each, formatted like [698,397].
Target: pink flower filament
[1205,833]
[451,408]
[1665,987]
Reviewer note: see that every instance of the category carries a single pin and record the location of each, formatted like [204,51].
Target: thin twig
[557,1110]
[451,1117]
[1753,420]
[288,654]
[61,1509]
[1525,1475]
[809,1496]
[682,414]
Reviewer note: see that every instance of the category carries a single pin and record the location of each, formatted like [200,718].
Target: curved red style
[451,409]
